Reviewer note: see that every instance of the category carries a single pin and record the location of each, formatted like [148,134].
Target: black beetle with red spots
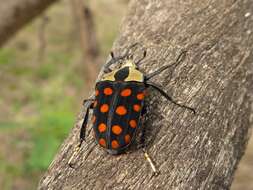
[118,105]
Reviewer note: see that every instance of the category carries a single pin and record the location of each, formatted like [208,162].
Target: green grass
[7,57]
[49,131]
[7,125]
[46,71]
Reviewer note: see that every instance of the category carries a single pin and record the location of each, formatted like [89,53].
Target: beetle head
[127,69]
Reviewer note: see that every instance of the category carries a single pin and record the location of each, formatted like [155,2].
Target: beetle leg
[127,54]
[180,58]
[113,60]
[88,100]
[146,155]
[143,57]
[116,59]
[82,131]
[150,161]
[109,63]
[155,86]
[143,145]
[85,121]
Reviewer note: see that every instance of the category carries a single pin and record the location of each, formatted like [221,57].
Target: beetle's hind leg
[146,155]
[151,163]
[144,144]
[82,131]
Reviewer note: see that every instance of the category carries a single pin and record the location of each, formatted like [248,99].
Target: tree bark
[216,78]
[16,13]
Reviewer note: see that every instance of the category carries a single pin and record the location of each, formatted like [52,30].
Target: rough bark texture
[192,151]
[16,13]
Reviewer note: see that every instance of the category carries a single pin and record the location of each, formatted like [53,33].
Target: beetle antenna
[130,56]
[112,55]
[129,49]
[143,57]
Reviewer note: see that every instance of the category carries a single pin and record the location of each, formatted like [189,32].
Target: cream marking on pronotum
[133,75]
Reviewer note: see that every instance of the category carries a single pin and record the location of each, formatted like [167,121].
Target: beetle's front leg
[82,131]
[179,59]
[109,63]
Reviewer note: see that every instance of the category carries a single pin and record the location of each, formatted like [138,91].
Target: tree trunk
[216,78]
[16,13]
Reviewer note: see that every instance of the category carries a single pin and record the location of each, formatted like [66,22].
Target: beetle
[118,105]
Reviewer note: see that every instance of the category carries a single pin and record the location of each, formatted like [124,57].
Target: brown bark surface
[16,13]
[191,151]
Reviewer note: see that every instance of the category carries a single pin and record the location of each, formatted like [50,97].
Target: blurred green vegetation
[40,99]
